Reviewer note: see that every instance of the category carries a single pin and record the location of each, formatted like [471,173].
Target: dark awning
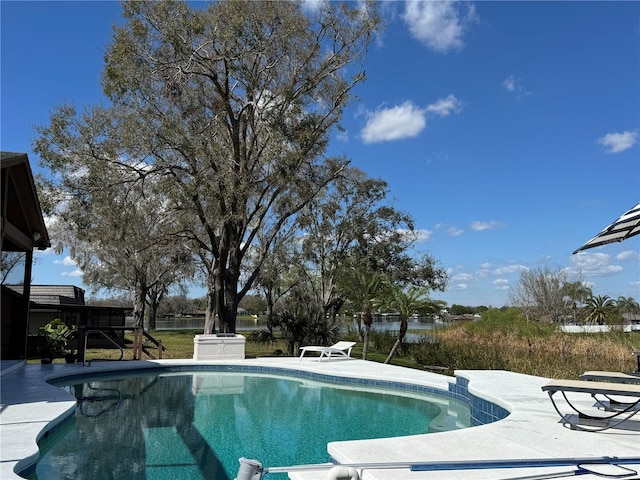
[23,227]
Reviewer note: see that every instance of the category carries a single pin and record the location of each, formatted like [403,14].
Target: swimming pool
[196,424]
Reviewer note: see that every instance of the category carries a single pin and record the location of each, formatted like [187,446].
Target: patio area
[532,430]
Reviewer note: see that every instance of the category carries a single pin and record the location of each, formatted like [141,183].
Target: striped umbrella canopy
[624,227]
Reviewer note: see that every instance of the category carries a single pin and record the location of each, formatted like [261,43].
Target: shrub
[58,335]
[510,321]
[306,328]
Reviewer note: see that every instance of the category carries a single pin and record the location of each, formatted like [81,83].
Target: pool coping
[532,429]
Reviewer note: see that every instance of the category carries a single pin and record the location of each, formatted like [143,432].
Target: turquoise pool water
[184,425]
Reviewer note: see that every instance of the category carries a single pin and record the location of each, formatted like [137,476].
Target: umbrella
[624,227]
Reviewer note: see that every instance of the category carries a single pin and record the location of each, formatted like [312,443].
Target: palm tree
[599,308]
[407,302]
[362,287]
[627,305]
[575,293]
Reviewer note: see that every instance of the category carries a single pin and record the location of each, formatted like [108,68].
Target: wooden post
[137,343]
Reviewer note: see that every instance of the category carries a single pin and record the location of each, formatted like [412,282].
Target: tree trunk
[269,298]
[226,275]
[154,296]
[153,312]
[225,306]
[228,323]
[210,313]
[393,350]
[139,302]
[221,299]
[368,321]
[401,334]
[365,343]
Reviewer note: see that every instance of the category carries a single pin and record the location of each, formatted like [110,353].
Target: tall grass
[504,340]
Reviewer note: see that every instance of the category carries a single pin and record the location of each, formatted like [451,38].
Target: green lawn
[555,355]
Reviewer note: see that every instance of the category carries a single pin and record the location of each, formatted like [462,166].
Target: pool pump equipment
[249,469]
[253,470]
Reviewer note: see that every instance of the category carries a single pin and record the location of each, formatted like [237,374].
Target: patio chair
[604,376]
[340,349]
[615,411]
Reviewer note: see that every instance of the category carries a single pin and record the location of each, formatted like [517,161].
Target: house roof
[57,294]
[53,294]
[22,221]
[63,298]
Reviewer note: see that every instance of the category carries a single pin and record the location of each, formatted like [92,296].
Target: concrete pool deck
[532,430]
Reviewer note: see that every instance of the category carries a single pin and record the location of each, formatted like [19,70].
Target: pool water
[197,425]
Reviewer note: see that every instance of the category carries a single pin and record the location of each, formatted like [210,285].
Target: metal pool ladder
[86,335]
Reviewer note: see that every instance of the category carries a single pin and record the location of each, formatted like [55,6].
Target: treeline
[253,304]
[456,309]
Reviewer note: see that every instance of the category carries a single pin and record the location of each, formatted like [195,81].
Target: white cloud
[628,255]
[619,142]
[395,123]
[444,106]
[419,235]
[501,284]
[454,232]
[509,83]
[513,84]
[461,286]
[506,270]
[48,251]
[462,277]
[594,264]
[440,25]
[75,273]
[66,261]
[479,226]
[483,273]
[449,230]
[406,120]
[422,235]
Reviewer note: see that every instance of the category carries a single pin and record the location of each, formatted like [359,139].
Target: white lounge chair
[616,411]
[604,376]
[340,349]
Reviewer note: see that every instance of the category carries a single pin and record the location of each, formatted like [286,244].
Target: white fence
[598,328]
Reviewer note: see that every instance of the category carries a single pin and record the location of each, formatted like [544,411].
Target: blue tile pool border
[482,411]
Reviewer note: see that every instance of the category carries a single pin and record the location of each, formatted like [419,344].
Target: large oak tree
[232,104]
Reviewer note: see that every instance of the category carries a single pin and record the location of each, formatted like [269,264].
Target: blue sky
[509,130]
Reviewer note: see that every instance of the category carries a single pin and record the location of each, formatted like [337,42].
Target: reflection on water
[183,426]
